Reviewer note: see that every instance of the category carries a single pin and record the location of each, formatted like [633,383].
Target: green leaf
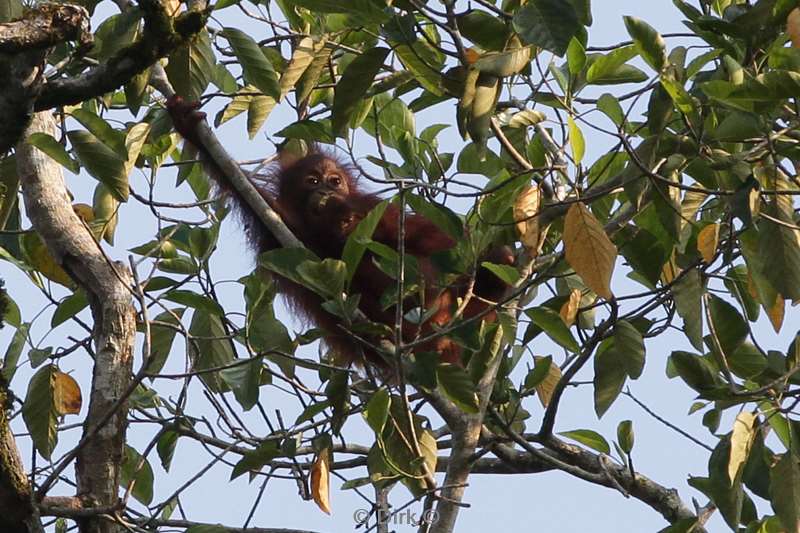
[507,273]
[736,281]
[353,85]
[779,246]
[195,301]
[589,438]
[244,380]
[694,370]
[191,67]
[377,410]
[47,144]
[730,328]
[609,377]
[553,325]
[258,110]
[39,411]
[166,448]
[457,385]
[359,12]
[445,219]
[254,460]
[648,41]
[102,130]
[257,68]
[69,307]
[548,24]
[355,246]
[286,261]
[101,162]
[785,491]
[608,104]
[625,436]
[603,66]
[630,345]
[210,348]
[137,469]
[308,130]
[483,29]
[13,352]
[326,277]
[688,294]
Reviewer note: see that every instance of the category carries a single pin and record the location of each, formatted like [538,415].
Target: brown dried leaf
[707,241]
[569,311]
[66,394]
[320,481]
[526,208]
[776,313]
[588,249]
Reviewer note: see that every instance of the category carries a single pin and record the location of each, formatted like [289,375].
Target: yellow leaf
[670,270]
[776,313]
[569,311]
[707,241]
[793,26]
[544,390]
[320,481]
[526,210]
[302,57]
[66,394]
[39,258]
[589,251]
[84,212]
[741,440]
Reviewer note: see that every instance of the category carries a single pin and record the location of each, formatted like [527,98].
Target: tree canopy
[648,189]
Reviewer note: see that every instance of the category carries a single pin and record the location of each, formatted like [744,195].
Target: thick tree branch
[106,285]
[162,34]
[16,512]
[45,26]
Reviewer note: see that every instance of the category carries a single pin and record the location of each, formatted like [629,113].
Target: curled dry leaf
[569,311]
[707,241]
[320,481]
[544,390]
[742,437]
[66,394]
[526,208]
[588,250]
[776,313]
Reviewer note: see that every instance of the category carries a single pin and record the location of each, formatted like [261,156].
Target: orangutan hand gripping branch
[319,200]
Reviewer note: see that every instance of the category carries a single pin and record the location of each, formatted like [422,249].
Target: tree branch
[106,284]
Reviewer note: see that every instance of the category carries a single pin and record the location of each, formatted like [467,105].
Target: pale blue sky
[524,503]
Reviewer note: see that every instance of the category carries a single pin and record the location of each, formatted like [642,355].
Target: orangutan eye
[336,181]
[313,181]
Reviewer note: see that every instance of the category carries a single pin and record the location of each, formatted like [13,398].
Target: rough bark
[23,46]
[107,286]
[15,491]
[44,27]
